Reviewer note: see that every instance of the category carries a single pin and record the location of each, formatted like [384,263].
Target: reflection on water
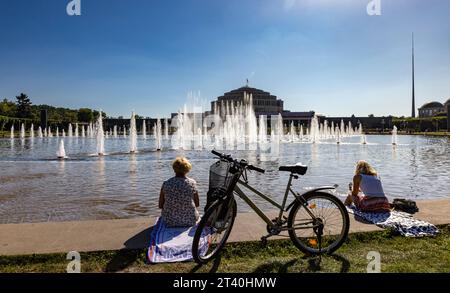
[36,187]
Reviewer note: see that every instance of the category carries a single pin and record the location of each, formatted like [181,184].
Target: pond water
[35,187]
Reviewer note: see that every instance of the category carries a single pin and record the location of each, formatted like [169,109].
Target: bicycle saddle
[297,169]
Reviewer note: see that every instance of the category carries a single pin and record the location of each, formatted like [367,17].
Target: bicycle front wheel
[324,234]
[213,230]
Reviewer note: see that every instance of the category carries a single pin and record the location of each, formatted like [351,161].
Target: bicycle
[321,215]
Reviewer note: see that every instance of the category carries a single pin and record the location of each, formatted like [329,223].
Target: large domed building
[264,103]
[432,108]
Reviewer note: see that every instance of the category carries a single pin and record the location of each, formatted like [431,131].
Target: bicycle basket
[219,175]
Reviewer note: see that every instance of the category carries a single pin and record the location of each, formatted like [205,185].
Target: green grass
[398,254]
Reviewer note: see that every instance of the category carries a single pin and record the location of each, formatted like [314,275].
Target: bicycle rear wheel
[213,230]
[332,219]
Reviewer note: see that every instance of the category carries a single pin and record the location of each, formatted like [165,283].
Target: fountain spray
[158,134]
[144,130]
[61,153]
[133,134]
[22,131]
[100,136]
[394,136]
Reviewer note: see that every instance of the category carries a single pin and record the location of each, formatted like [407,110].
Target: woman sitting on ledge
[372,198]
[179,197]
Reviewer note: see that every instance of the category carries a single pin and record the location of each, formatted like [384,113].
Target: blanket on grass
[403,223]
[172,244]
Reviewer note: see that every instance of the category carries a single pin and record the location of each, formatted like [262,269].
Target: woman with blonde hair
[179,197]
[367,192]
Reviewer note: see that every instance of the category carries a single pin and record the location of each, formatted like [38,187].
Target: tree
[85,115]
[8,108]
[96,114]
[23,106]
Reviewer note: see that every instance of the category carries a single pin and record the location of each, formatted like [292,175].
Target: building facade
[431,109]
[263,102]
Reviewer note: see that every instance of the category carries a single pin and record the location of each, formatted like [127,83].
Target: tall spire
[413,112]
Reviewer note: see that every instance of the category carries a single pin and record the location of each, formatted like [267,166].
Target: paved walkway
[62,237]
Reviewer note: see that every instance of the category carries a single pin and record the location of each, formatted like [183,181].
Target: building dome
[432,105]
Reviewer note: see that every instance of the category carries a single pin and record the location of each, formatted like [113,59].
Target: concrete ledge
[62,237]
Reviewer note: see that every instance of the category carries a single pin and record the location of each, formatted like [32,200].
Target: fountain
[63,134]
[115,131]
[293,133]
[262,131]
[158,135]
[61,153]
[76,130]
[314,130]
[83,133]
[57,132]
[49,134]
[70,132]
[22,131]
[133,134]
[40,132]
[124,132]
[144,130]
[12,132]
[91,130]
[394,136]
[363,139]
[166,128]
[32,130]
[338,136]
[100,136]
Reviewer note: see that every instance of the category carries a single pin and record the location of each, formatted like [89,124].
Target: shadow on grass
[312,264]
[131,253]
[214,267]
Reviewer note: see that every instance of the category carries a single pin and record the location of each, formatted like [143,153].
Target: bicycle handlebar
[230,159]
[251,167]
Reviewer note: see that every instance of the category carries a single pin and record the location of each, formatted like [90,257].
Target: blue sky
[322,55]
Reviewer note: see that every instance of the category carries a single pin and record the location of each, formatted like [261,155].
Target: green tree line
[23,108]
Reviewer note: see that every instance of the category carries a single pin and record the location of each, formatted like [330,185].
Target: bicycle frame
[282,208]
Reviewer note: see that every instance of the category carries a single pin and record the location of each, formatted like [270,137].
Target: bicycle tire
[344,231]
[198,258]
